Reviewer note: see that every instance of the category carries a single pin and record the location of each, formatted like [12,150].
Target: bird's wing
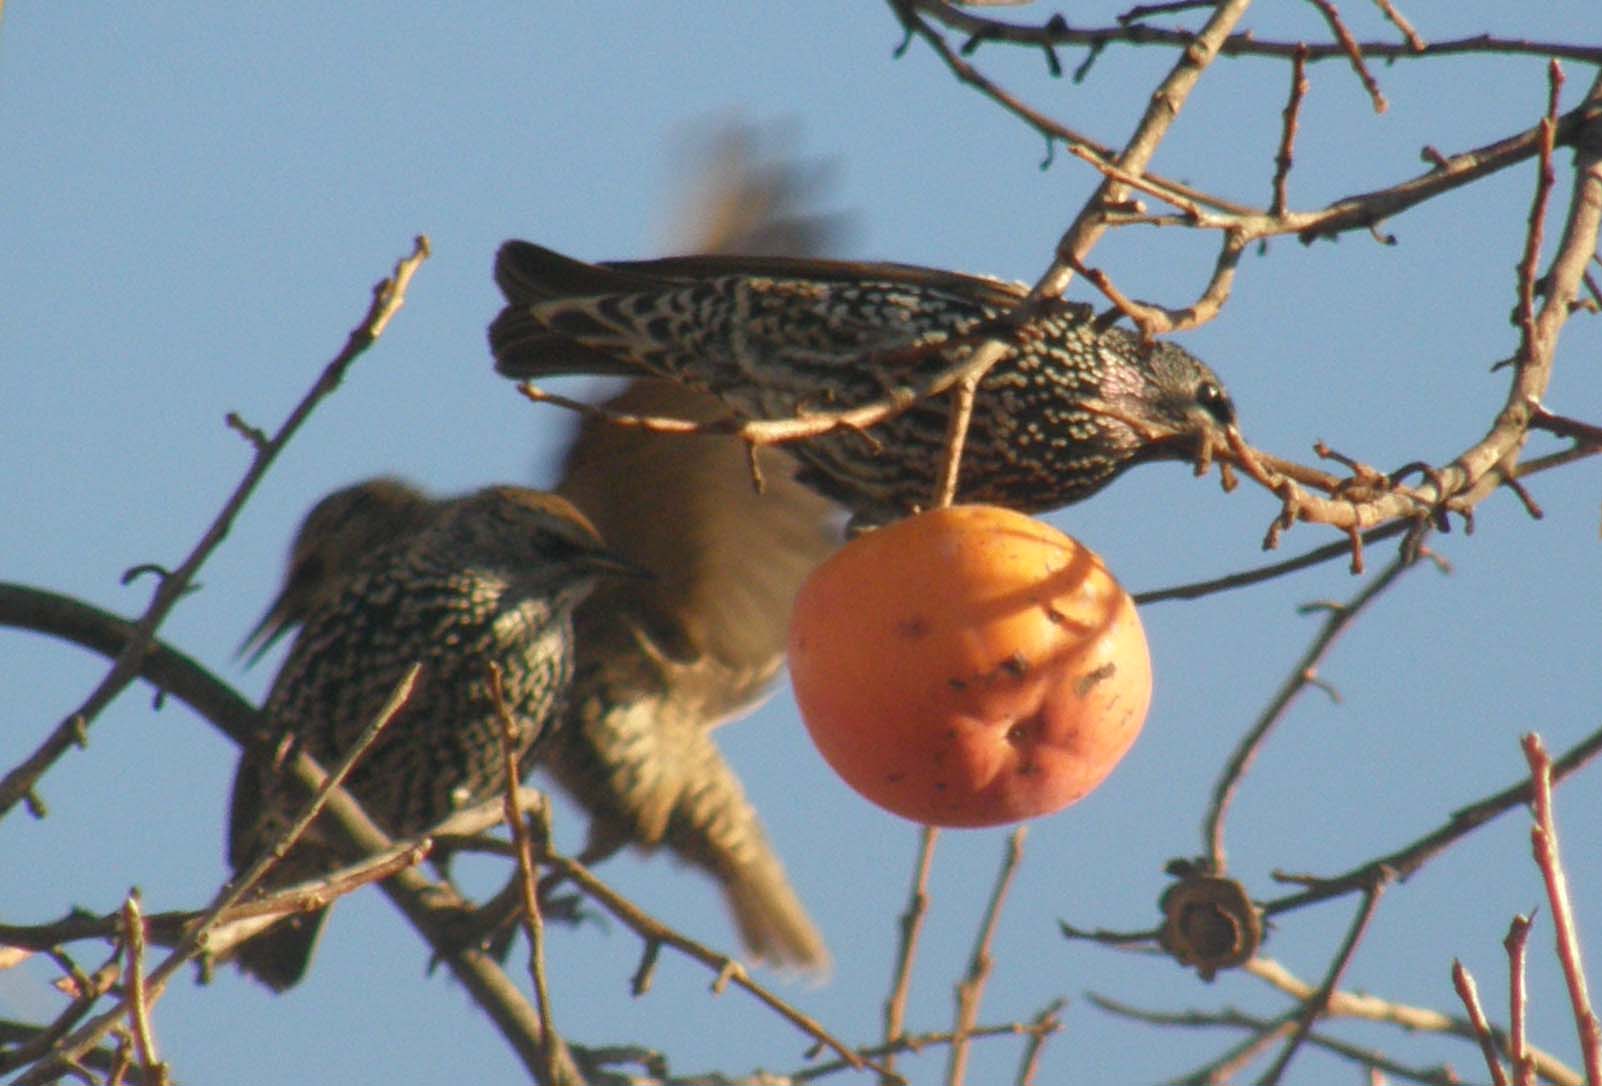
[726,559]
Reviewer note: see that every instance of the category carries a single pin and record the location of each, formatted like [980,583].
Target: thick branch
[434,908]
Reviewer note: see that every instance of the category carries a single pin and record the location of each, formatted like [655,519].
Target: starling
[489,578]
[658,660]
[661,660]
[1065,410]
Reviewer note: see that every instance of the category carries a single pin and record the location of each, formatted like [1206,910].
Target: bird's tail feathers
[715,828]
[526,349]
[773,924]
[527,345]
[278,957]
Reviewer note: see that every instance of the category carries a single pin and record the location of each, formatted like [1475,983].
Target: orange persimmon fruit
[969,666]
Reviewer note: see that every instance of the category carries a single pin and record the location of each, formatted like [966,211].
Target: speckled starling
[1070,406]
[489,578]
[662,660]
[659,660]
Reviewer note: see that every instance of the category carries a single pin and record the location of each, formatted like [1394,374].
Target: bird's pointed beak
[285,611]
[267,632]
[605,563]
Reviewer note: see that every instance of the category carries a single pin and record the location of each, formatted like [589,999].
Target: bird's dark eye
[1216,402]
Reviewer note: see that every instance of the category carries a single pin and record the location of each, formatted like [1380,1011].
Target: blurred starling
[740,200]
[663,660]
[492,577]
[778,338]
[660,661]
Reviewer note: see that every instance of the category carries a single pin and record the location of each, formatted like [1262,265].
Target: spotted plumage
[350,522]
[489,578]
[1068,408]
[658,660]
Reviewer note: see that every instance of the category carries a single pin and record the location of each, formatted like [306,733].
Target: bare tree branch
[388,297]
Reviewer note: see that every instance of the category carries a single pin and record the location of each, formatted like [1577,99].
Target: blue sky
[199,197]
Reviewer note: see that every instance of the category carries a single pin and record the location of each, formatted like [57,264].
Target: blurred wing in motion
[661,662]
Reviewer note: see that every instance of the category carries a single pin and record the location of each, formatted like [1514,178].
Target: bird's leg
[492,926]
[962,398]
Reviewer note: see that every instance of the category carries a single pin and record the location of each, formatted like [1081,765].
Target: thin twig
[19,784]
[1095,154]
[528,884]
[1546,178]
[1046,1023]
[1518,1045]
[1586,435]
[1034,1031]
[240,922]
[961,414]
[1301,674]
[1232,1061]
[435,909]
[910,927]
[725,968]
[971,989]
[1317,556]
[1544,839]
[144,1038]
[1287,139]
[1163,108]
[1314,1006]
[1409,858]
[1263,1032]
[244,882]
[1354,53]
[1154,320]
[1414,41]
[1469,993]
[983,350]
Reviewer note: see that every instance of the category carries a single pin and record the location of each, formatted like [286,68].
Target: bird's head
[1170,403]
[341,529]
[542,537]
